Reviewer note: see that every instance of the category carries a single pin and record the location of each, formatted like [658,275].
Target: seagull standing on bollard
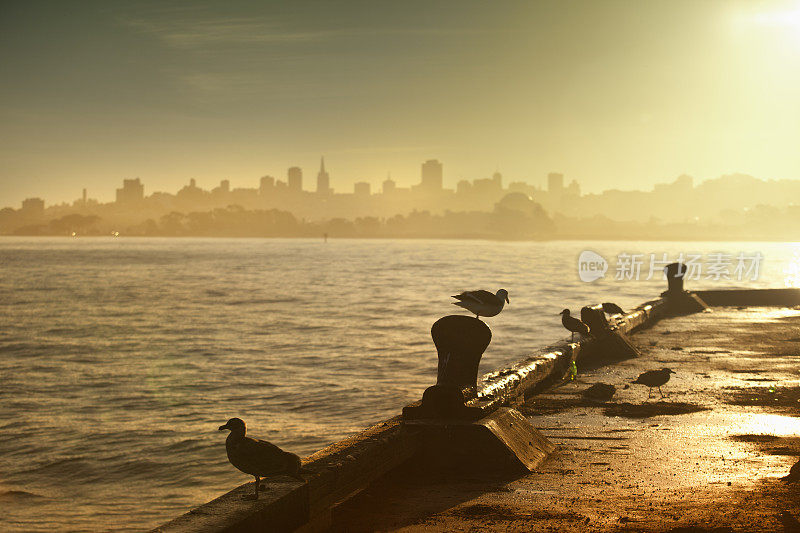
[482,303]
[257,457]
[654,378]
[573,325]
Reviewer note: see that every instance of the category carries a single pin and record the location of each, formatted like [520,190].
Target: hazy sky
[613,94]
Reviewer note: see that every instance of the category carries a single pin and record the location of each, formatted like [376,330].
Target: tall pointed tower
[323,179]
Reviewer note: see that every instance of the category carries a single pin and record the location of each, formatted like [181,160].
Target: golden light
[784,18]
[783,23]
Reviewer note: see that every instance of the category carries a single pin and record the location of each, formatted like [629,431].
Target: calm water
[120,357]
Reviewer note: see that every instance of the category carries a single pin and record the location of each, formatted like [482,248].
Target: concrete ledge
[344,468]
[751,297]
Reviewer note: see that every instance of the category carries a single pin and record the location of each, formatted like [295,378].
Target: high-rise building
[555,183]
[497,178]
[573,189]
[295,179]
[33,207]
[266,185]
[362,188]
[431,176]
[389,185]
[132,191]
[323,179]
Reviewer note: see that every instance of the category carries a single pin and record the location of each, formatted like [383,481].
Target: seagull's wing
[264,456]
[469,296]
[488,297]
[485,297]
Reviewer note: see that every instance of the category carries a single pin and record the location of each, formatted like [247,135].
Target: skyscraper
[132,191]
[431,176]
[295,179]
[323,179]
[362,189]
[267,184]
[555,183]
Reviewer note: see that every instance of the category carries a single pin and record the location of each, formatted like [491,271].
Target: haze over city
[97,92]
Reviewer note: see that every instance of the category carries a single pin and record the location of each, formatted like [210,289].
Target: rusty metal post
[679,300]
[460,342]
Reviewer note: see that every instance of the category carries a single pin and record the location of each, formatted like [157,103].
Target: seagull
[573,324]
[482,303]
[794,474]
[257,457]
[654,378]
[612,309]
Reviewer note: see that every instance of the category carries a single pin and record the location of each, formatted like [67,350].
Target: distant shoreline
[395,238]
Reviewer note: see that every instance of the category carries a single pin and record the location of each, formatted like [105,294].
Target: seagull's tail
[294,468]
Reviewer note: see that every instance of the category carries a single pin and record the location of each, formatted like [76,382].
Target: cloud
[215,31]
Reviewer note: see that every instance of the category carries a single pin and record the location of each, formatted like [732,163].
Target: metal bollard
[675,273]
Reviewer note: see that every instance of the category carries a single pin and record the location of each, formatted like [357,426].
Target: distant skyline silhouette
[614,95]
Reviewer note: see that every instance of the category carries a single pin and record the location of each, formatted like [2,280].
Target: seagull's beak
[507,300]
[672,372]
[223,427]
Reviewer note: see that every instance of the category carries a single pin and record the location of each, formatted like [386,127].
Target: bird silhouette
[794,474]
[482,303]
[654,378]
[612,309]
[257,457]
[573,325]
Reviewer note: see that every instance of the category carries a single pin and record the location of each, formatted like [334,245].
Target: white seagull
[482,303]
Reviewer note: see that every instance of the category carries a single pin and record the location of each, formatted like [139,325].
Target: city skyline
[96,91]
[309,182]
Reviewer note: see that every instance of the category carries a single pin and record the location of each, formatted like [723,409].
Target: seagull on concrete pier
[482,303]
[612,309]
[573,324]
[654,378]
[257,457]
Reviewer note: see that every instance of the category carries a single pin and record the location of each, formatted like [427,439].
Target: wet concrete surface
[707,457]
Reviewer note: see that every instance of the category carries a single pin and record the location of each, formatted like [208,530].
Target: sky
[614,94]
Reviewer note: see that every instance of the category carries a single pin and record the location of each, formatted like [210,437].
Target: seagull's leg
[252,496]
[649,392]
[477,315]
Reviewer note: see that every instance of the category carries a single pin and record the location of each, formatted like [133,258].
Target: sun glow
[782,23]
[782,18]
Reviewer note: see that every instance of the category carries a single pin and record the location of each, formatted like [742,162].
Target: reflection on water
[792,270]
[119,358]
[767,424]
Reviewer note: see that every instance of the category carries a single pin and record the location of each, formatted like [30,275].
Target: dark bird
[612,309]
[601,392]
[794,474]
[654,378]
[482,303]
[573,324]
[257,457]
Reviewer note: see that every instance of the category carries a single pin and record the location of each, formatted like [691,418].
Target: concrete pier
[718,441]
[709,455]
